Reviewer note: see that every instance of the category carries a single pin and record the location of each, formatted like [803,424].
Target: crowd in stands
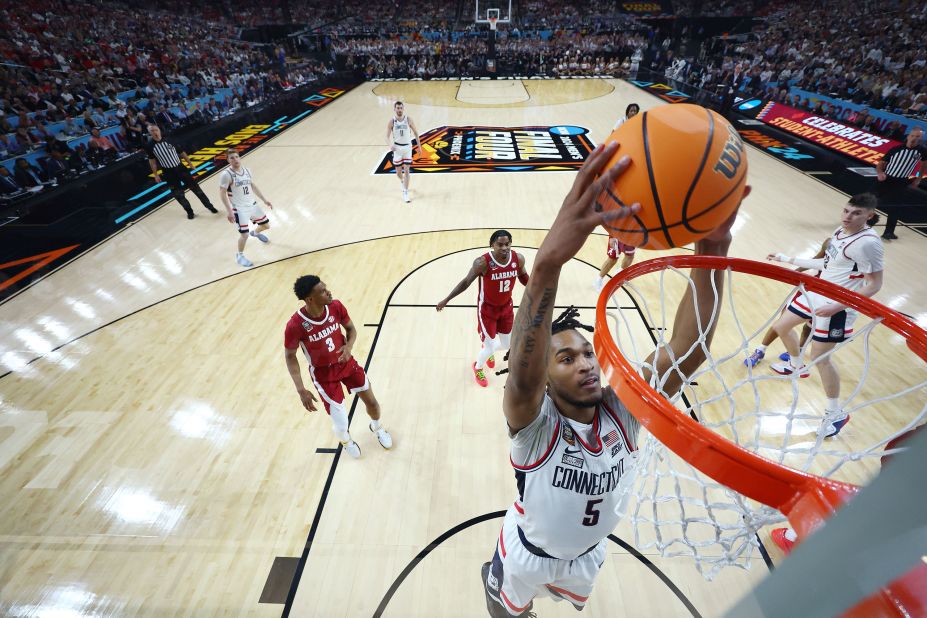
[872,56]
[80,80]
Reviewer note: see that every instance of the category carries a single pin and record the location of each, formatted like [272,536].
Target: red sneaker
[480,376]
[491,362]
[783,543]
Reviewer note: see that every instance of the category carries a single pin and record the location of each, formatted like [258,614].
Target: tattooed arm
[530,348]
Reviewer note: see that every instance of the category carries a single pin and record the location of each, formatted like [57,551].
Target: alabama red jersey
[321,339]
[497,284]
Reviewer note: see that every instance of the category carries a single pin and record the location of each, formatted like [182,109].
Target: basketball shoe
[259,236]
[491,362]
[786,369]
[352,449]
[784,357]
[480,376]
[754,359]
[243,261]
[833,427]
[385,440]
[599,284]
[781,540]
[405,196]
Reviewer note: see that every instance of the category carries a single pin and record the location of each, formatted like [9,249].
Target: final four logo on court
[499,149]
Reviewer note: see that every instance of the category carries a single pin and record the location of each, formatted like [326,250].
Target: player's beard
[591,402]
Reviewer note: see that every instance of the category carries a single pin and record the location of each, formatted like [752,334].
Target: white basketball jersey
[848,257]
[401,131]
[567,499]
[239,187]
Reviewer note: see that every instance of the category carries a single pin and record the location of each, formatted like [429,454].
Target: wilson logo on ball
[731,156]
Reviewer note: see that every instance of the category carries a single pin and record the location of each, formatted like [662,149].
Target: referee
[162,152]
[894,173]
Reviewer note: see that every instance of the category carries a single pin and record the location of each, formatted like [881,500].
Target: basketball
[688,171]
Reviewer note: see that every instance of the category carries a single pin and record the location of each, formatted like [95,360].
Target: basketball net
[492,23]
[757,454]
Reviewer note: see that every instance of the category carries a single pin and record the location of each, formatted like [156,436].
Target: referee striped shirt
[164,152]
[901,161]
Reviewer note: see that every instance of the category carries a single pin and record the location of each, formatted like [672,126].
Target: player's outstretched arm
[578,217]
[477,269]
[688,324]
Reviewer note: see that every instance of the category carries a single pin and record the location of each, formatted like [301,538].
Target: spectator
[101,149]
[26,175]
[55,167]
[8,184]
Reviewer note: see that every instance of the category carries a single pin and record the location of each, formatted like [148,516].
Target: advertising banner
[838,137]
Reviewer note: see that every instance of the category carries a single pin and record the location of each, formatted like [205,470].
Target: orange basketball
[688,171]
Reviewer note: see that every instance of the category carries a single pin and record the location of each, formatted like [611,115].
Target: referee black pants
[179,178]
[893,199]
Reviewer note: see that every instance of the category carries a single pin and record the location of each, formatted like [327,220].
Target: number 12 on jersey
[505,285]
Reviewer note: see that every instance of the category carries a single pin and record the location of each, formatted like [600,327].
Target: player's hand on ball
[308,400]
[579,215]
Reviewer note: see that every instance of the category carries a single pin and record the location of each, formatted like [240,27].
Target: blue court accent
[146,191]
[567,130]
[143,206]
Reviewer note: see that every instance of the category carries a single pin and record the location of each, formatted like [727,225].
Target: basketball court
[156,460]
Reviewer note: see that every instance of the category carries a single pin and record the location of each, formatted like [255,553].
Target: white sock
[790,535]
[795,361]
[484,355]
[833,405]
[375,424]
[761,348]
[344,437]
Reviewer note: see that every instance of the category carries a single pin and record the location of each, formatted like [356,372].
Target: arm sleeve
[811,264]
[869,255]
[530,443]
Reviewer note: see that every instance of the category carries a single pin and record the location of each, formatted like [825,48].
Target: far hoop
[805,499]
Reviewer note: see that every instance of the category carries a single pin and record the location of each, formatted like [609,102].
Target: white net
[680,511]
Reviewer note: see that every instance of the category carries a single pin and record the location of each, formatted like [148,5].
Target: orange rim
[805,499]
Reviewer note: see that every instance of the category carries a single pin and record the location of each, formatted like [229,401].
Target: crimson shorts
[328,381]
[616,248]
[494,319]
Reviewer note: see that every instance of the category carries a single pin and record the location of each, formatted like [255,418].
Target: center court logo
[499,149]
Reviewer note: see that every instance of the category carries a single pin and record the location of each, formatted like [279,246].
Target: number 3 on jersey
[330,344]
[505,285]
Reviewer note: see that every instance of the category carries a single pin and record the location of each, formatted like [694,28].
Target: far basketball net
[688,172]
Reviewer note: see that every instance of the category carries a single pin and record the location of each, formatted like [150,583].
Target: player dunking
[854,260]
[572,440]
[399,132]
[614,249]
[316,328]
[237,190]
[496,271]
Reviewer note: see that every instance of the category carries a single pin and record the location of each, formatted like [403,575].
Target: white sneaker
[259,236]
[405,197]
[352,449]
[243,261]
[386,440]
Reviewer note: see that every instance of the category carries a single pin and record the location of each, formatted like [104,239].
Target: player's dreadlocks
[568,321]
[565,321]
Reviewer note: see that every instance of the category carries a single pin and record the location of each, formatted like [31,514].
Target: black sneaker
[190,214]
[889,236]
[212,209]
